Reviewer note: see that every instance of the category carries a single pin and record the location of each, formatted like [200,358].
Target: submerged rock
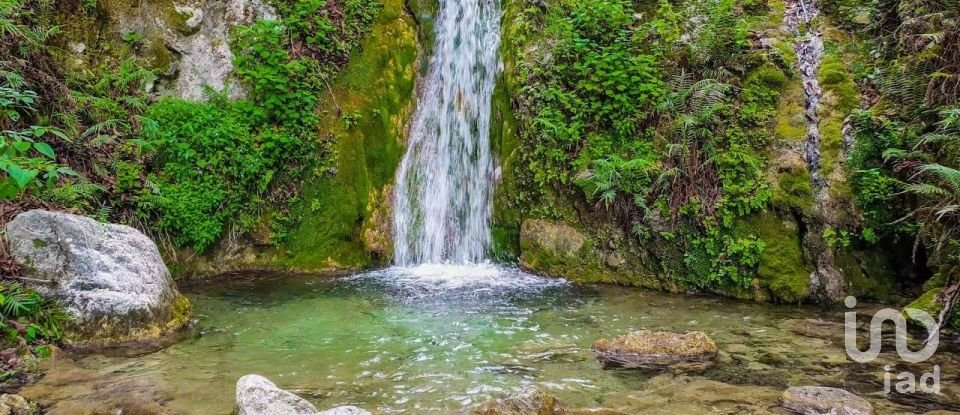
[110,278]
[655,349]
[667,394]
[344,410]
[256,395]
[819,400]
[530,401]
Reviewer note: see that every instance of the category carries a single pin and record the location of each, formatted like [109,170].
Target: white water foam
[449,277]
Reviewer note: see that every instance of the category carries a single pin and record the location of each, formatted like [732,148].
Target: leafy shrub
[212,162]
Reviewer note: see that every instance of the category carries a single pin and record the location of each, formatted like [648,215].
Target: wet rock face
[817,400]
[554,237]
[257,395]
[110,278]
[655,349]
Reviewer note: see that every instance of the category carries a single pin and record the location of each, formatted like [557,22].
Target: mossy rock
[503,138]
[930,303]
[794,189]
[868,274]
[791,123]
[377,86]
[782,269]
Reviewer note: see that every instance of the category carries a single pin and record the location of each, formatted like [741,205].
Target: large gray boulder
[257,395]
[110,278]
[819,400]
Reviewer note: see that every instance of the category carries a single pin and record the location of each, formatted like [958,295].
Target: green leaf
[66,170]
[20,176]
[44,149]
[21,146]
[60,134]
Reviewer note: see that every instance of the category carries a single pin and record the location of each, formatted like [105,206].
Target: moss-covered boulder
[110,278]
[655,349]
[782,269]
[931,303]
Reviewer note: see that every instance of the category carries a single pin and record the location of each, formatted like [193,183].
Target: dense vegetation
[906,154]
[187,172]
[663,125]
[673,118]
[97,141]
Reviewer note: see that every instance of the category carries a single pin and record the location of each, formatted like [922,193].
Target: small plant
[351,119]
[134,39]
[26,316]
[837,238]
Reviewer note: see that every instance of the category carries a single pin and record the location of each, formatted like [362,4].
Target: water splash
[445,180]
[466,281]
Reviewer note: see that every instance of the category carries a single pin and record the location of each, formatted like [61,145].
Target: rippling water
[432,339]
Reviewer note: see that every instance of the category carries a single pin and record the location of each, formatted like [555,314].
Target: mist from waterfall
[444,185]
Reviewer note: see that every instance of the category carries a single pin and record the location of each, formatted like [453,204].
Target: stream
[437,338]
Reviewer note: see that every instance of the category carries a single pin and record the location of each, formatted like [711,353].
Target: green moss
[131,328]
[503,139]
[794,189]
[929,303]
[791,124]
[782,269]
[936,281]
[378,85]
[868,274]
[180,313]
[835,79]
[769,76]
[158,57]
[840,98]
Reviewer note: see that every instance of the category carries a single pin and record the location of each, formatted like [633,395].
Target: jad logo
[907,382]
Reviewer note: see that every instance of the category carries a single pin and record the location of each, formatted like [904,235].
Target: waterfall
[444,185]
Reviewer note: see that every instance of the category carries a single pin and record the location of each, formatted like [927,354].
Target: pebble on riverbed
[647,349]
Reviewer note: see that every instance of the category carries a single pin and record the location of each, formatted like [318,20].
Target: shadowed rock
[655,349]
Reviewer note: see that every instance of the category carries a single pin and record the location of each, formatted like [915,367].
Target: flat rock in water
[815,328]
[655,349]
[110,278]
[819,400]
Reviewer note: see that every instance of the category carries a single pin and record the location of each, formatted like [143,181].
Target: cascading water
[445,180]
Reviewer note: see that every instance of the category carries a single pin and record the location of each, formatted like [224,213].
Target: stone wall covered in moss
[560,227]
